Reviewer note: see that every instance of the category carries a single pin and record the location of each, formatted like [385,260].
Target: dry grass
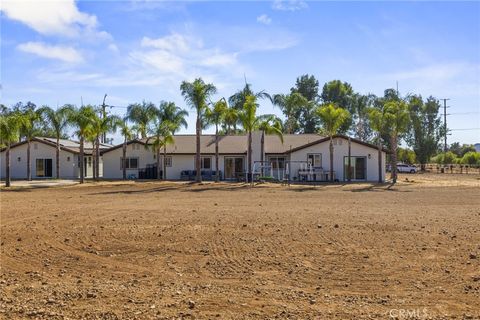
[161,250]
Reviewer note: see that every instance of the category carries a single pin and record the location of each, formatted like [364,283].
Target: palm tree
[332,118]
[58,121]
[82,120]
[161,136]
[251,122]
[230,121]
[397,118]
[27,129]
[290,105]
[238,99]
[141,114]
[269,124]
[10,125]
[127,134]
[216,115]
[378,123]
[101,124]
[175,116]
[196,94]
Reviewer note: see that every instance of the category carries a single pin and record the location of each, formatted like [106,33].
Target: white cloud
[64,53]
[53,17]
[264,19]
[289,5]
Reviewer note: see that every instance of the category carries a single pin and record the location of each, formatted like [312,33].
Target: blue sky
[59,51]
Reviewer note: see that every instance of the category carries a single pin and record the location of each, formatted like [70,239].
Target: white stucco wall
[18,169]
[341,151]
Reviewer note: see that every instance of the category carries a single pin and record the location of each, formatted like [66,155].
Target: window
[19,159]
[168,161]
[277,162]
[68,159]
[206,162]
[89,161]
[314,159]
[358,168]
[130,163]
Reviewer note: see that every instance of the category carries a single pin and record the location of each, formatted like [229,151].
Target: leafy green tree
[461,150]
[332,118]
[238,99]
[82,120]
[57,120]
[471,157]
[361,104]
[425,128]
[291,106]
[406,156]
[196,94]
[161,136]
[445,158]
[397,121]
[216,115]
[10,125]
[141,115]
[175,116]
[340,94]
[251,122]
[307,86]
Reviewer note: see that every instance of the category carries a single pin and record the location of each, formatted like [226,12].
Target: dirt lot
[226,251]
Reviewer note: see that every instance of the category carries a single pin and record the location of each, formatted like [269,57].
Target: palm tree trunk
[217,177]
[164,162]
[97,155]
[379,159]
[82,172]
[159,169]
[197,155]
[331,158]
[349,162]
[124,159]
[262,148]
[7,167]
[394,157]
[94,160]
[57,158]
[249,156]
[29,161]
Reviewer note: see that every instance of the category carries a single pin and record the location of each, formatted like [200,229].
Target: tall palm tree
[216,115]
[58,121]
[269,124]
[10,125]
[332,118]
[291,106]
[230,121]
[27,129]
[102,123]
[127,134]
[161,136]
[378,123]
[81,119]
[238,99]
[141,114]
[251,122]
[196,94]
[397,118]
[175,116]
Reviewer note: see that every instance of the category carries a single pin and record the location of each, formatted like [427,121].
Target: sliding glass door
[43,168]
[358,168]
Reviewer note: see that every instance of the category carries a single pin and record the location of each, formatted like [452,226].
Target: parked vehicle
[403,168]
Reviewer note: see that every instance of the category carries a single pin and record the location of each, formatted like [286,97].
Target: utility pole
[104,115]
[445,123]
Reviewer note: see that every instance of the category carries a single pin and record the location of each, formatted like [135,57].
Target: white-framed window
[168,161]
[206,163]
[130,163]
[277,162]
[314,159]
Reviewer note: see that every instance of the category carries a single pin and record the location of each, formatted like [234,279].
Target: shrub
[471,157]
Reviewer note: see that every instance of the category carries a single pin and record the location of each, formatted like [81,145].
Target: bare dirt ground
[163,250]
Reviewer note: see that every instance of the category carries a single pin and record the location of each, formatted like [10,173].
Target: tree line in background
[384,120]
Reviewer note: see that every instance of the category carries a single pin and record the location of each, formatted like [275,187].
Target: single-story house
[300,157]
[43,157]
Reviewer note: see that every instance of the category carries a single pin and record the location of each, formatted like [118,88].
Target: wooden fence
[452,168]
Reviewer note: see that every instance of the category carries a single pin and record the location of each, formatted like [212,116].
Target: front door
[43,168]
[233,167]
